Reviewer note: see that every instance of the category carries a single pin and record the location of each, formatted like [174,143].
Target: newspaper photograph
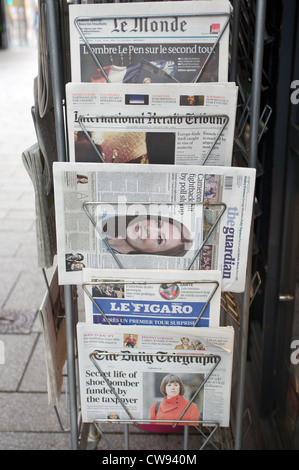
[173,42]
[153,217]
[156,375]
[185,124]
[155,297]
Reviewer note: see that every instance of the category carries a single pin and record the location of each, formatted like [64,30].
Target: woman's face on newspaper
[153,235]
[172,389]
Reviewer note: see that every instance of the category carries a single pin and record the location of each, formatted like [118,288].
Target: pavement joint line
[28,362]
[11,290]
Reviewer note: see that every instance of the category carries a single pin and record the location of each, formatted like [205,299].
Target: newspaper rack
[94,223]
[230,306]
[137,422]
[240,130]
[56,49]
[97,283]
[144,62]
[223,117]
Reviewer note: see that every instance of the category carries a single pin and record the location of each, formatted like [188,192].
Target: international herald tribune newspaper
[124,372]
[155,297]
[177,124]
[197,217]
[150,42]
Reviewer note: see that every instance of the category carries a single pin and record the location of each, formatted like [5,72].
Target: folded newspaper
[151,42]
[156,297]
[36,168]
[155,375]
[153,217]
[183,124]
[52,315]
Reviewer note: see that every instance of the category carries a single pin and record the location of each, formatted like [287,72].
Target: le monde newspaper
[173,42]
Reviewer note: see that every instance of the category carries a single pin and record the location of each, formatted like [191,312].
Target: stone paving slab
[27,251]
[8,276]
[35,376]
[29,289]
[17,351]
[9,244]
[16,321]
[30,412]
[17,130]
[34,441]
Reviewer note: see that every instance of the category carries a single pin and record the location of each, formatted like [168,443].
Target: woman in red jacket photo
[173,404]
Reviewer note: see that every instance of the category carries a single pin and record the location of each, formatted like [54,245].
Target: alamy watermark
[295,94]
[295,354]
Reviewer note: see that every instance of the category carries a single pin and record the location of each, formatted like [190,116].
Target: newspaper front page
[153,217]
[156,297]
[154,374]
[152,42]
[182,124]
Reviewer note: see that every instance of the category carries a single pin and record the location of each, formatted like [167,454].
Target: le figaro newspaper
[155,374]
[155,297]
[150,42]
[124,123]
[153,217]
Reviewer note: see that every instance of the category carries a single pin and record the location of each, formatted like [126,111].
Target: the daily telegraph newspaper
[181,124]
[52,316]
[151,42]
[155,374]
[155,297]
[153,217]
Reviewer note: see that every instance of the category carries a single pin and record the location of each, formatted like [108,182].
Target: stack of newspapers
[152,219]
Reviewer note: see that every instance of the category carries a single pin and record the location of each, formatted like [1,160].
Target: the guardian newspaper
[154,217]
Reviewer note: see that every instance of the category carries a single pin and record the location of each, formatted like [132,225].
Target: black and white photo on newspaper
[183,124]
[151,42]
[153,217]
[155,297]
[154,374]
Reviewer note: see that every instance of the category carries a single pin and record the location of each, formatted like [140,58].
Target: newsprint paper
[182,124]
[153,217]
[52,317]
[150,42]
[165,377]
[155,297]
[36,167]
